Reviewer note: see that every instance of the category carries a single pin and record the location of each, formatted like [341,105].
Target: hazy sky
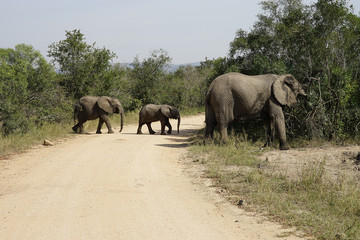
[189,30]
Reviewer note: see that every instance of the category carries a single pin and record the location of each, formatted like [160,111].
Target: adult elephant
[93,107]
[237,96]
[152,113]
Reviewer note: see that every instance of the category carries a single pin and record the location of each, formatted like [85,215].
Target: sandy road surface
[116,186]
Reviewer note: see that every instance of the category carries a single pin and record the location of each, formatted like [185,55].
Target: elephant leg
[277,120]
[223,133]
[210,120]
[151,131]
[106,119]
[223,125]
[281,132]
[139,128]
[209,131]
[75,128]
[80,126]
[224,117]
[266,126]
[167,124]
[269,125]
[163,123]
[272,131]
[101,122]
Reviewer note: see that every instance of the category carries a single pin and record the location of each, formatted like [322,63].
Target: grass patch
[19,142]
[320,207]
[191,111]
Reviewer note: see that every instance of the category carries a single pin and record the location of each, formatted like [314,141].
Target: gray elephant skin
[237,96]
[93,107]
[152,113]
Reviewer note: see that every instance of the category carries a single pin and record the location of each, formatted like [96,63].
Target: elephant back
[87,103]
[148,112]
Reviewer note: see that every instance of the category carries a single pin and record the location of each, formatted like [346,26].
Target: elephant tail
[207,97]
[77,109]
[210,118]
[208,109]
[178,125]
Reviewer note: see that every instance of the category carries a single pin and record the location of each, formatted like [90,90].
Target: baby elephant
[152,113]
[93,107]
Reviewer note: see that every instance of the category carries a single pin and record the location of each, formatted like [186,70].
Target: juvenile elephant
[152,113]
[237,96]
[93,107]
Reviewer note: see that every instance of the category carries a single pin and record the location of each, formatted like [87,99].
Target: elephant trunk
[122,118]
[178,125]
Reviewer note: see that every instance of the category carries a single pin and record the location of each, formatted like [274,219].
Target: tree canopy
[320,45]
[83,69]
[29,93]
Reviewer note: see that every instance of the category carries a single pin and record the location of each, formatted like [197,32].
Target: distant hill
[172,67]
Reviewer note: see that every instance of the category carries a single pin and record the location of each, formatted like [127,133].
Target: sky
[189,30]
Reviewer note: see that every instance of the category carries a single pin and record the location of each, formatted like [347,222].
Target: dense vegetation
[318,44]
[34,92]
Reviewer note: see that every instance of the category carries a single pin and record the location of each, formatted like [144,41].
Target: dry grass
[19,142]
[318,206]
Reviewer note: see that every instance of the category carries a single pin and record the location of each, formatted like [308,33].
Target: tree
[83,69]
[29,94]
[319,45]
[148,76]
[185,88]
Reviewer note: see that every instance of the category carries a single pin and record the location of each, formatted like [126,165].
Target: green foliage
[184,88]
[150,81]
[29,94]
[320,46]
[148,76]
[33,93]
[83,69]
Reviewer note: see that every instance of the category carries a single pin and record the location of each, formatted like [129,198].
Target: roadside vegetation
[319,44]
[315,204]
[37,96]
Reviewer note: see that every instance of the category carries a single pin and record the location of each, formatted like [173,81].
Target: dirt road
[117,186]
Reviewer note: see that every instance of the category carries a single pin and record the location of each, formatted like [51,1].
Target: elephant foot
[152,132]
[169,132]
[163,133]
[284,146]
[98,132]
[111,131]
[74,129]
[139,132]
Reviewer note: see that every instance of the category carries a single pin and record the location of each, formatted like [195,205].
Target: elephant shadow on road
[181,140]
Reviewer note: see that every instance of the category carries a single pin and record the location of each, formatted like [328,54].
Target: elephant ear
[283,92]
[105,104]
[166,111]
